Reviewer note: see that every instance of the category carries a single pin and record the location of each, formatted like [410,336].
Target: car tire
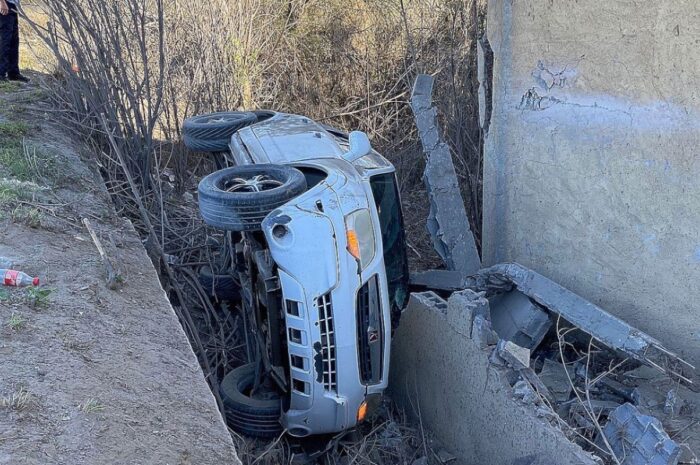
[250,416]
[228,201]
[263,115]
[212,132]
[221,286]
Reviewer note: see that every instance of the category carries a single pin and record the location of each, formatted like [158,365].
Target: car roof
[286,138]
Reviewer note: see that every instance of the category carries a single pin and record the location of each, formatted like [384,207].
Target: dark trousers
[9,43]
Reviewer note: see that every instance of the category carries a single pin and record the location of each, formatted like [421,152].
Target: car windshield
[386,197]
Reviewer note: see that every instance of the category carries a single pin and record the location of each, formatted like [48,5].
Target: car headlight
[360,237]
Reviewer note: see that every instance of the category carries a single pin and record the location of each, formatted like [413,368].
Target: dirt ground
[88,375]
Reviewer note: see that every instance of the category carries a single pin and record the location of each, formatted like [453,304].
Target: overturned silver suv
[314,218]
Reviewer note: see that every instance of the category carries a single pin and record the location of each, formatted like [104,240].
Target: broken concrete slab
[482,333]
[554,376]
[524,392]
[583,314]
[442,376]
[617,388]
[432,300]
[447,221]
[463,307]
[673,403]
[638,439]
[443,280]
[444,456]
[517,357]
[528,374]
[517,319]
[597,407]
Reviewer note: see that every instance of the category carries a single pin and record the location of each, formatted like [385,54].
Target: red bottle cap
[35,281]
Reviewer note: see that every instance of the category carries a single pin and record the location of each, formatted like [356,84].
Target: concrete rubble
[554,376]
[517,318]
[448,384]
[447,222]
[462,383]
[583,314]
[639,439]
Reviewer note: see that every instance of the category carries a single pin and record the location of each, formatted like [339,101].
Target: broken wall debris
[639,439]
[447,222]
[448,382]
[586,316]
[463,379]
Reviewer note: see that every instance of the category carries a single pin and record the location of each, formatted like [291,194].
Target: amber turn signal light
[362,412]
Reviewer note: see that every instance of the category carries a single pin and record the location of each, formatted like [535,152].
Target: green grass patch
[9,86]
[12,159]
[13,130]
[38,296]
[18,400]
[26,162]
[30,96]
[13,162]
[16,322]
[12,190]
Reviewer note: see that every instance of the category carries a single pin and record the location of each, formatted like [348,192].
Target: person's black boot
[18,77]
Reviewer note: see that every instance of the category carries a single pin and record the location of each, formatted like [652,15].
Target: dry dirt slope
[87,375]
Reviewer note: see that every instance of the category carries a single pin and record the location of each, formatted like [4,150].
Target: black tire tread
[253,417]
[201,135]
[245,211]
[222,286]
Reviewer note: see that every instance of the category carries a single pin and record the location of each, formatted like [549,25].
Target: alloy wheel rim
[258,183]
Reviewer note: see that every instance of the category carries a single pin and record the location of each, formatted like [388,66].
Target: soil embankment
[88,375]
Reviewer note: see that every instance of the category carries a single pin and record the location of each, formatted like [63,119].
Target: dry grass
[91,406]
[33,53]
[387,438]
[19,400]
[16,322]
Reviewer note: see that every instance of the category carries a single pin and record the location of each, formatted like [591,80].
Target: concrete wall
[591,167]
[443,378]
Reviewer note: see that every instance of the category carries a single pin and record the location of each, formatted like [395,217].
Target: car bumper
[320,284]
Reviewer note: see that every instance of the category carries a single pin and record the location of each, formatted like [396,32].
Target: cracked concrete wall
[591,166]
[442,377]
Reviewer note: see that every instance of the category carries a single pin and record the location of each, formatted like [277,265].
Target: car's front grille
[369,332]
[327,349]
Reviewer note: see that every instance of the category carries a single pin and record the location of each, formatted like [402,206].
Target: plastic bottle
[17,278]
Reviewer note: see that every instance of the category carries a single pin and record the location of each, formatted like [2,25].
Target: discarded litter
[17,278]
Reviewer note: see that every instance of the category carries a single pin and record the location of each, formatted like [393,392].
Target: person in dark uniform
[9,42]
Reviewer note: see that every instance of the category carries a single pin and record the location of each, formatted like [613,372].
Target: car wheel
[239,198]
[212,132]
[221,286]
[256,416]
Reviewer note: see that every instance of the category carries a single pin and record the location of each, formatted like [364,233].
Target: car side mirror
[359,146]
